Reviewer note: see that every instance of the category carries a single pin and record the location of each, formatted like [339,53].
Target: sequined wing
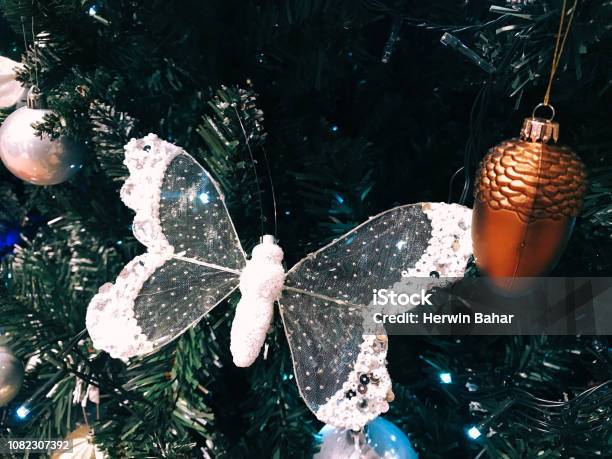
[193,259]
[339,361]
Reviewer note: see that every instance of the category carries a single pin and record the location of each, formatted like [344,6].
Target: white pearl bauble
[41,161]
[11,376]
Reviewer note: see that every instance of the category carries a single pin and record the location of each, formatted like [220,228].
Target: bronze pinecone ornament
[528,193]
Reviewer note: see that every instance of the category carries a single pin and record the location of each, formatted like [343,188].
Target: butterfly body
[261,284]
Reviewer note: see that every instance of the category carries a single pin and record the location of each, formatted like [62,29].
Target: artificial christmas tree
[345,136]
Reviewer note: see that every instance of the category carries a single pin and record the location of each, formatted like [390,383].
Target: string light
[446,378]
[394,36]
[473,432]
[456,44]
[204,198]
[22,412]
[93,12]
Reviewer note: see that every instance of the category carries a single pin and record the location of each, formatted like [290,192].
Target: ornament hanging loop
[35,98]
[544,105]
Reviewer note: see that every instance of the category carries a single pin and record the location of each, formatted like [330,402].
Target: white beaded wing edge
[110,315]
[448,255]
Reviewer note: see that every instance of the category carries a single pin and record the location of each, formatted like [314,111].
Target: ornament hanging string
[33,63]
[253,164]
[272,191]
[559,46]
[25,41]
[34,46]
[259,191]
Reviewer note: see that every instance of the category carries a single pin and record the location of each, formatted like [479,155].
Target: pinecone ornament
[528,193]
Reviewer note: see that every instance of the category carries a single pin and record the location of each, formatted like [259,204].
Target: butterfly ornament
[194,260]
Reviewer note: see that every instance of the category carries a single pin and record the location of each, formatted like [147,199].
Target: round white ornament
[11,376]
[37,159]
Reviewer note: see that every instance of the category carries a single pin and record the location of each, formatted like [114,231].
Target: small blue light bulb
[446,378]
[22,412]
[473,432]
[93,10]
[204,198]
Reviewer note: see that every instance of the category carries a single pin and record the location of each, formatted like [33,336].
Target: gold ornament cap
[541,130]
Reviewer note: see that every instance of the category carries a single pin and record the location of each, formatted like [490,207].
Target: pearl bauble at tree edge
[37,159]
[11,376]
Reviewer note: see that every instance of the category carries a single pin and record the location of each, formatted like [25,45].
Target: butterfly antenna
[273,192]
[475,120]
[452,181]
[259,193]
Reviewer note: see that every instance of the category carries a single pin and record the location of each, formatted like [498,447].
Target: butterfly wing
[193,257]
[339,363]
